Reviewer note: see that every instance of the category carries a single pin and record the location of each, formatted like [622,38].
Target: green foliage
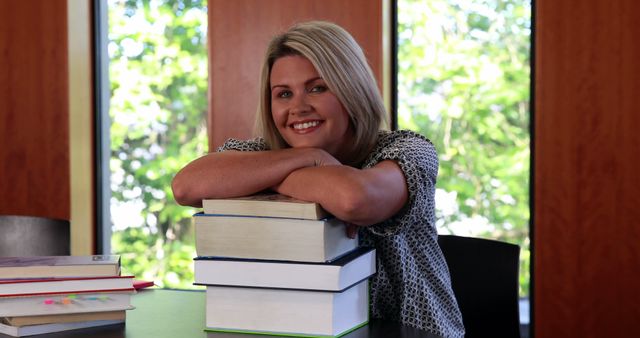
[464,82]
[158,72]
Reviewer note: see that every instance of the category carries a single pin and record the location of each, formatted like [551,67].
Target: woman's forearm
[358,196]
[234,173]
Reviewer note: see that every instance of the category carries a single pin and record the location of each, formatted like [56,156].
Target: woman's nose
[299,105]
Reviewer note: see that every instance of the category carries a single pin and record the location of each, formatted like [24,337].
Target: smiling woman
[342,68]
[321,116]
[305,112]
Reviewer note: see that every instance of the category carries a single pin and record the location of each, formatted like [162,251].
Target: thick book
[59,266]
[337,275]
[266,205]
[30,330]
[65,303]
[63,318]
[271,238]
[33,287]
[287,312]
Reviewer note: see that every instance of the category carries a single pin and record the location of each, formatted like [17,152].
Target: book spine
[36,294]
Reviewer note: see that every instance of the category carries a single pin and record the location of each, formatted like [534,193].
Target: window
[463,81]
[158,75]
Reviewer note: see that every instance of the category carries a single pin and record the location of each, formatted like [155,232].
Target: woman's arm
[241,173]
[359,196]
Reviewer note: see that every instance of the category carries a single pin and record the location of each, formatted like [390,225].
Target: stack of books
[59,293]
[278,266]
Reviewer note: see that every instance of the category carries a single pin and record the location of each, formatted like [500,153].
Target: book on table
[59,266]
[60,293]
[271,238]
[30,330]
[286,312]
[265,205]
[33,287]
[70,303]
[63,318]
[336,275]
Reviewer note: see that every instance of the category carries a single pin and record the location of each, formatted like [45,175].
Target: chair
[33,236]
[484,277]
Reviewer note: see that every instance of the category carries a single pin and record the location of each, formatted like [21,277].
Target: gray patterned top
[412,284]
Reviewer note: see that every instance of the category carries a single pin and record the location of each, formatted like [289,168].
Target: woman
[320,115]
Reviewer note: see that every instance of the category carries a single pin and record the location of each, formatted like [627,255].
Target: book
[337,275]
[141,284]
[45,305]
[63,318]
[32,287]
[271,238]
[59,266]
[286,312]
[266,205]
[30,330]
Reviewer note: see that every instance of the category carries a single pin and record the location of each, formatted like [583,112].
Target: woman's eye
[318,89]
[284,94]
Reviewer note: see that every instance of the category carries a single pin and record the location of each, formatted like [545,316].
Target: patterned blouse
[412,284]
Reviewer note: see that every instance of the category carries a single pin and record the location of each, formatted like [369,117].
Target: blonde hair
[341,63]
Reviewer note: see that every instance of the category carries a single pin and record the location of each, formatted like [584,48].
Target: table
[162,313]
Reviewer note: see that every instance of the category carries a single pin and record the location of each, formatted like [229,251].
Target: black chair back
[33,236]
[484,277]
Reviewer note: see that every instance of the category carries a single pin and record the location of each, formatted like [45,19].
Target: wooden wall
[587,171]
[239,31]
[46,114]
[34,120]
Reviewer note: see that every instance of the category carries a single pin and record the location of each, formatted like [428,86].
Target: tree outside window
[463,82]
[158,71]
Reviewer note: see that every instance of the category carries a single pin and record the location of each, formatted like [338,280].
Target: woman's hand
[352,230]
[319,158]
[323,158]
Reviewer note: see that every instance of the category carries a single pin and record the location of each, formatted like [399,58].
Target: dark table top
[180,314]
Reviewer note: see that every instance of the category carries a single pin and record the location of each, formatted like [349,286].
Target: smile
[305,125]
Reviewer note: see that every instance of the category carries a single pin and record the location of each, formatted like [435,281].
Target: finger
[352,230]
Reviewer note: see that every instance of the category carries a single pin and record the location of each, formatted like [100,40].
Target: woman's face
[305,112]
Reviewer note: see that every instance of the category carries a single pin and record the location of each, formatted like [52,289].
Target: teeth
[305,125]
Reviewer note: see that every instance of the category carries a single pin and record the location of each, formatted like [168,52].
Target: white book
[59,266]
[286,312]
[265,205]
[64,318]
[271,238]
[335,276]
[30,330]
[65,304]
[31,287]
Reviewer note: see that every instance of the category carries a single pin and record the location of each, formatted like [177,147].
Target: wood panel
[587,200]
[239,31]
[34,131]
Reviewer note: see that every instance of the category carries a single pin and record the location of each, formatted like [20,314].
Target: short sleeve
[418,159]
[256,144]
